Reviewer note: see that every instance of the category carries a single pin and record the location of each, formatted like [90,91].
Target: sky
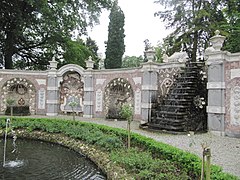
[140,24]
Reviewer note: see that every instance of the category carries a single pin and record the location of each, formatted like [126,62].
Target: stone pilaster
[149,85]
[88,95]
[216,85]
[88,90]
[52,90]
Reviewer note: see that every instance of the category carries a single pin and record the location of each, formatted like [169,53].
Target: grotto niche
[20,95]
[71,90]
[117,93]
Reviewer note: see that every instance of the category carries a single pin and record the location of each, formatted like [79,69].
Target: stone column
[216,85]
[88,90]
[52,90]
[149,85]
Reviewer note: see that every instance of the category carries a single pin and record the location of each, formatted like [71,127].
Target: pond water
[39,160]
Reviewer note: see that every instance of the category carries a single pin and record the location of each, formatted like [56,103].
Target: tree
[160,50]
[31,30]
[92,46]
[115,44]
[75,52]
[132,61]
[78,51]
[232,27]
[194,22]
[127,113]
[73,105]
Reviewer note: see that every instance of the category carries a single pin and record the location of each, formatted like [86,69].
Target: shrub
[143,166]
[164,159]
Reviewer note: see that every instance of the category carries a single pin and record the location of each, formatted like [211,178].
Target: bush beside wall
[109,139]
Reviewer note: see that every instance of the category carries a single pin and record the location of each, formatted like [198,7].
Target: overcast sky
[140,24]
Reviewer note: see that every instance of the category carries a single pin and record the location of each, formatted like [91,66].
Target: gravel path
[225,151]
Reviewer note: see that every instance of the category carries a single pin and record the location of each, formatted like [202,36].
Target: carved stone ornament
[117,92]
[21,90]
[71,89]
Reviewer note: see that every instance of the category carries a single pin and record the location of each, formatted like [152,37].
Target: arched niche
[71,90]
[70,67]
[117,92]
[22,93]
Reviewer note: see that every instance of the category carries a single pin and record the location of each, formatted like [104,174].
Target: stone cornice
[23,72]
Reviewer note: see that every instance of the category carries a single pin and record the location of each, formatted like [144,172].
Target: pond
[40,160]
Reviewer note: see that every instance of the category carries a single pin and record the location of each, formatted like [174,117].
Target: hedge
[113,138]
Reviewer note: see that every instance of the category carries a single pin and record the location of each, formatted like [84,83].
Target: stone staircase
[183,108]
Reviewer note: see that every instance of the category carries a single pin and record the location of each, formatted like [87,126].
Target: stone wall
[36,78]
[149,82]
[223,89]
[232,77]
[145,83]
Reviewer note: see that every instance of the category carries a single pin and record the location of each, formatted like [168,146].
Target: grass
[147,159]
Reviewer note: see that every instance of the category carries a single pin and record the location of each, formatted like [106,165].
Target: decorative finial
[150,54]
[217,32]
[90,58]
[89,63]
[217,41]
[53,63]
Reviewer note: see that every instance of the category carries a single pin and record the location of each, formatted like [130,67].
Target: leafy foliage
[10,102]
[159,53]
[193,22]
[131,61]
[75,52]
[232,27]
[78,51]
[145,167]
[149,160]
[115,43]
[31,30]
[126,112]
[92,46]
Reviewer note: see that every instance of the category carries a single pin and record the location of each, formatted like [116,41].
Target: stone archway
[117,92]
[71,89]
[23,95]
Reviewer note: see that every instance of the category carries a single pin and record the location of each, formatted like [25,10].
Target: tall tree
[75,52]
[194,22]
[92,46]
[115,44]
[30,30]
[232,27]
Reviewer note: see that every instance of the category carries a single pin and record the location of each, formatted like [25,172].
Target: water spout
[5,142]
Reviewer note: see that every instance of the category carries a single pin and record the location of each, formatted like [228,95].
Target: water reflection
[41,160]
